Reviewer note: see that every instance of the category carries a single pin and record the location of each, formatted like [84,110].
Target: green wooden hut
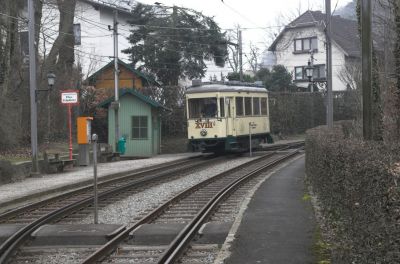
[139,122]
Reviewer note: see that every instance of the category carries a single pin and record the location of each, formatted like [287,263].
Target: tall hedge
[294,113]
[357,184]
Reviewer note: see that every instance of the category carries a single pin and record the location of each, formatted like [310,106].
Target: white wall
[97,46]
[96,49]
[285,56]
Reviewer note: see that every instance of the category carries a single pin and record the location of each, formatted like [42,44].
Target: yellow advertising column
[84,131]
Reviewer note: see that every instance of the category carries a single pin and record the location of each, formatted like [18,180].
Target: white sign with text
[69,97]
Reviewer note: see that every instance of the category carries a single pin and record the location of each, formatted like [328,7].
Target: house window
[305,45]
[139,127]
[318,73]
[298,73]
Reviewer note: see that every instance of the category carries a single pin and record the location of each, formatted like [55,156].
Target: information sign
[69,97]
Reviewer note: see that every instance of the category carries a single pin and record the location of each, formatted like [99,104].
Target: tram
[221,117]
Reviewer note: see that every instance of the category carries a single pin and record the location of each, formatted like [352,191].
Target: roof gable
[344,31]
[143,76]
[135,93]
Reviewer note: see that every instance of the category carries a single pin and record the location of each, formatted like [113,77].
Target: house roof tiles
[133,92]
[344,31]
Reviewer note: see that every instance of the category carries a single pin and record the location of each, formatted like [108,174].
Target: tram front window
[203,107]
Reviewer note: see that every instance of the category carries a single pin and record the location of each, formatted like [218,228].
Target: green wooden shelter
[139,122]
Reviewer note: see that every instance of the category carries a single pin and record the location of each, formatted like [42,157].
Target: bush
[357,185]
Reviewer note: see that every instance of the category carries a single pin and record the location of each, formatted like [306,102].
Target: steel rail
[178,245]
[110,246]
[115,177]
[10,245]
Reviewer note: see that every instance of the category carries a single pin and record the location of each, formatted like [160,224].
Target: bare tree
[233,58]
[252,58]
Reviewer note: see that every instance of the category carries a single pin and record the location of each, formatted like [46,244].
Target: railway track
[57,208]
[191,208]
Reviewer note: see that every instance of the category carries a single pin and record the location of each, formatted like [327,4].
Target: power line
[164,27]
[13,17]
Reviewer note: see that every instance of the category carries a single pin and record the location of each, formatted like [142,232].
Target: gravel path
[127,209]
[12,191]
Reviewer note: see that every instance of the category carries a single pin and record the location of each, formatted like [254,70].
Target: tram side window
[247,106]
[264,106]
[222,107]
[256,106]
[202,107]
[239,106]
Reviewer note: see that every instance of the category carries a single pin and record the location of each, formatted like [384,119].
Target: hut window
[139,127]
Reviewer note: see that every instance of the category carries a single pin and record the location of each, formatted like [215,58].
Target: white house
[97,48]
[95,19]
[293,45]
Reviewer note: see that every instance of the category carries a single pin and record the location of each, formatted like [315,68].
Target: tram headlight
[203,132]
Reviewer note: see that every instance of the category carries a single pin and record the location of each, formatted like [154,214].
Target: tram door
[230,103]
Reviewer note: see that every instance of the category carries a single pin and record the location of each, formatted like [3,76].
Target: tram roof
[225,88]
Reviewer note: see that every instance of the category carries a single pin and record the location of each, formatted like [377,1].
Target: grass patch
[321,249]
[306,197]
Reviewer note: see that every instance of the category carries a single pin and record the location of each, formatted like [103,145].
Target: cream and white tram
[221,116]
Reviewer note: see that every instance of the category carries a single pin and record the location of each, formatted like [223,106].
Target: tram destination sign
[70,97]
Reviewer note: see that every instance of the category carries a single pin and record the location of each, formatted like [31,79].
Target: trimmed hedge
[357,184]
[294,113]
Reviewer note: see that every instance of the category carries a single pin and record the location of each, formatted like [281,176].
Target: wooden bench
[106,154]
[56,164]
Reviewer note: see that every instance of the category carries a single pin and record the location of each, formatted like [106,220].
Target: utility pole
[329,104]
[240,56]
[366,65]
[312,65]
[32,84]
[116,79]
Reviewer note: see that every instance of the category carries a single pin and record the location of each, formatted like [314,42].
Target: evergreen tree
[174,42]
[277,80]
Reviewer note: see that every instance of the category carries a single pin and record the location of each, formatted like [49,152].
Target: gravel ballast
[30,186]
[124,211]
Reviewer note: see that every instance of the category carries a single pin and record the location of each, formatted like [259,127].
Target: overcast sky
[251,14]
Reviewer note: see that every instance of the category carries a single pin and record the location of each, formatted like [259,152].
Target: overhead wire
[98,24]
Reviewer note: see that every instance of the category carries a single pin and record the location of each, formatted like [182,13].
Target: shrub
[357,185]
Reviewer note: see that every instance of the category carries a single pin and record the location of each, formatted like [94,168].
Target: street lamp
[310,73]
[51,79]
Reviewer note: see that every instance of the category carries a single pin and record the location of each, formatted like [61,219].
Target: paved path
[278,226]
[79,176]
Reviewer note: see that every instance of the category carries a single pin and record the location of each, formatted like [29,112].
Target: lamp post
[51,79]
[310,74]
